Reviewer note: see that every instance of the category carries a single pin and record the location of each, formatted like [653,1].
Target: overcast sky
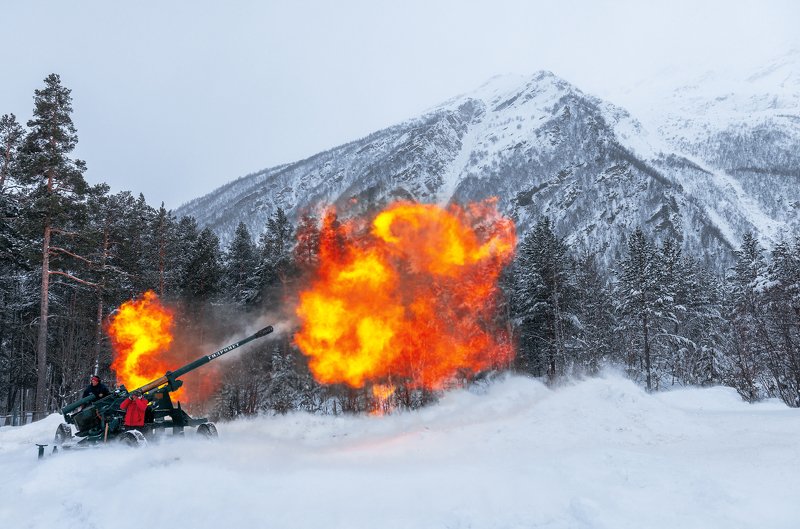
[174,98]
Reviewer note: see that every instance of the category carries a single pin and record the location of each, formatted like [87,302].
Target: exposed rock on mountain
[543,147]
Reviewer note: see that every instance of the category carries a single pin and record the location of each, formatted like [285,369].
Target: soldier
[97,388]
[134,407]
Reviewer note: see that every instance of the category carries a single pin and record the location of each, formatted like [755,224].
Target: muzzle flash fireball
[141,333]
[99,421]
[410,296]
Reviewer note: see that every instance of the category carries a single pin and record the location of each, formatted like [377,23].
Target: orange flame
[410,296]
[381,393]
[141,331]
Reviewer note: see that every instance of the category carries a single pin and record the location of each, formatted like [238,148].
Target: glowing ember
[410,297]
[141,331]
[382,393]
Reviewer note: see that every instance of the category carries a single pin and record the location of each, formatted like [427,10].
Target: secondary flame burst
[141,332]
[410,296]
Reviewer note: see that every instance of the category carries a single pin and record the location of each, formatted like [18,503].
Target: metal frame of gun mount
[101,420]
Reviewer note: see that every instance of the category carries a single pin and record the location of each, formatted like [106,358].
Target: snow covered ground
[600,453]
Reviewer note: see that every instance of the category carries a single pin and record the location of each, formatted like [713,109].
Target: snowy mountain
[746,131]
[545,148]
[601,453]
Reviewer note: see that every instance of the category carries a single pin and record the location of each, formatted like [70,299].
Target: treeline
[71,253]
[659,314]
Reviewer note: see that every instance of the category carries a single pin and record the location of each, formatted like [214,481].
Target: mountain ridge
[543,147]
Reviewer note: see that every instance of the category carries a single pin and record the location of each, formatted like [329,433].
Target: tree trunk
[162,252]
[98,338]
[41,344]
[645,332]
[551,360]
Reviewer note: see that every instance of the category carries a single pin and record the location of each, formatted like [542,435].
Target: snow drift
[510,454]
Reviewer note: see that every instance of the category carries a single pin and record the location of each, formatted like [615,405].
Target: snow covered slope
[598,454]
[744,128]
[546,148]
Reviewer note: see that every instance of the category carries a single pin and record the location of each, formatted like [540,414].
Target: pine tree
[746,317]
[783,323]
[56,191]
[306,252]
[240,265]
[112,218]
[203,275]
[542,301]
[140,248]
[594,335]
[118,231]
[640,298]
[11,136]
[704,326]
[676,282]
[180,247]
[11,240]
[275,268]
[278,243]
[17,293]
[163,229]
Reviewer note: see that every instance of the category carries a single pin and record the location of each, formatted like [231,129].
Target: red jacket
[134,414]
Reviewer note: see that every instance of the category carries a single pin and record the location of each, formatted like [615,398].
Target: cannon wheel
[63,434]
[133,438]
[207,430]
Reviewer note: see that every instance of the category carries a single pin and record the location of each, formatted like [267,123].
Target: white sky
[175,98]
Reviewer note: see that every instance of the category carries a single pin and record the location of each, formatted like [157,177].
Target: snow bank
[596,454]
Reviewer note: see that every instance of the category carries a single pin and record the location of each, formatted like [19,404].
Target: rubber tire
[207,430]
[63,434]
[133,439]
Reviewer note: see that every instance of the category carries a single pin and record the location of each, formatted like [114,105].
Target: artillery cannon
[101,420]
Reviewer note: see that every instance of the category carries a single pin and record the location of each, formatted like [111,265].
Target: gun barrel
[75,405]
[204,360]
[173,375]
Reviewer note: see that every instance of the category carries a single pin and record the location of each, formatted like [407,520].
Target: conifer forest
[71,253]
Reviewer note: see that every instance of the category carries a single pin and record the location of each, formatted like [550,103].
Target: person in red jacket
[134,407]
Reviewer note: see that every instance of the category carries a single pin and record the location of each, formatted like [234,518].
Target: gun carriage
[102,420]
